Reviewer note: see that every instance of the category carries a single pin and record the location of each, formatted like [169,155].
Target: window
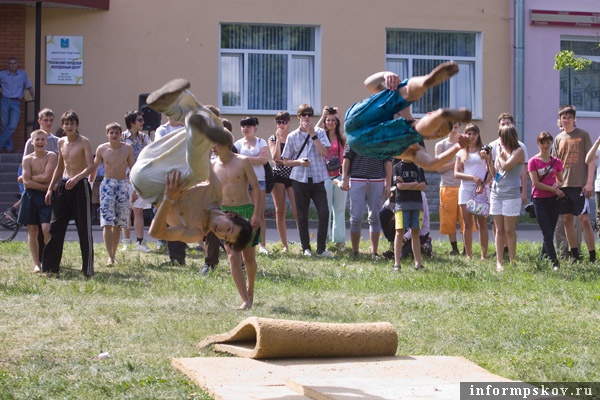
[412,53]
[268,68]
[582,88]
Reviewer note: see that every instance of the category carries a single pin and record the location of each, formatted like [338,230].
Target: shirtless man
[235,173]
[115,207]
[38,168]
[382,126]
[69,194]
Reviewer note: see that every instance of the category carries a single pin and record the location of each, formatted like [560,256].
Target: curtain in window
[462,88]
[302,80]
[231,80]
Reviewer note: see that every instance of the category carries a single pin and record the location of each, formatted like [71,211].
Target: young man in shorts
[374,131]
[38,168]
[571,147]
[115,207]
[237,174]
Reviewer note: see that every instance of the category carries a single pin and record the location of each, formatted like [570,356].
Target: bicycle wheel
[8,228]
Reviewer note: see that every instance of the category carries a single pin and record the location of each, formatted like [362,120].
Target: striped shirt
[364,167]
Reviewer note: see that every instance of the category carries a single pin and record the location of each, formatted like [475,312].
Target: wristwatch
[314,137]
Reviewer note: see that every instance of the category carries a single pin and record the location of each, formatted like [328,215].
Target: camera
[487,148]
[331,110]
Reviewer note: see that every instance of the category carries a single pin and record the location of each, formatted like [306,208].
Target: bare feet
[457,115]
[245,305]
[441,73]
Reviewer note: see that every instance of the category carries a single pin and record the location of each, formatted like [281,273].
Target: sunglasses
[304,114]
[282,121]
[140,120]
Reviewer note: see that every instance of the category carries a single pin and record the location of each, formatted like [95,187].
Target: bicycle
[9,227]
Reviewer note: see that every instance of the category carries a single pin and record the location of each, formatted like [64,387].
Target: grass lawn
[527,323]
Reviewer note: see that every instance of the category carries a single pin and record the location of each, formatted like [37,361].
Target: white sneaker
[142,247]
[126,243]
[263,250]
[37,269]
[307,253]
[325,254]
[499,268]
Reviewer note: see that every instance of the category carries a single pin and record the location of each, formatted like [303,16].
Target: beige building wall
[139,44]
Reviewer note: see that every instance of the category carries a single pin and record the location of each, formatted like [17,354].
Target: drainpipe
[519,67]
[38,61]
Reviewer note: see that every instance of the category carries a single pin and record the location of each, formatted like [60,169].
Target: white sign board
[64,60]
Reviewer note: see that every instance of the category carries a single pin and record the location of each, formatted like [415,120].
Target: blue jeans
[11,112]
[336,199]
[546,213]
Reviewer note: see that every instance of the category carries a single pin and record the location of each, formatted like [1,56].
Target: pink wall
[541,79]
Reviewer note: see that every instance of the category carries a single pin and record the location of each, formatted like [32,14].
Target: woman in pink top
[545,172]
[336,197]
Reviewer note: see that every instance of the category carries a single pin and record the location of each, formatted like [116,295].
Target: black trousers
[176,251]
[304,193]
[66,205]
[213,245]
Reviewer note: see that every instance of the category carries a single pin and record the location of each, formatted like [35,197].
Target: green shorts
[246,211]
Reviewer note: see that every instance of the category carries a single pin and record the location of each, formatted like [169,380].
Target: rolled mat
[266,338]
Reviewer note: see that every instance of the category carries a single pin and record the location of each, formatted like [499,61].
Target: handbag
[333,163]
[478,204]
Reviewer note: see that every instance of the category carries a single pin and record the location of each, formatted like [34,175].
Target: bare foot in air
[457,115]
[441,73]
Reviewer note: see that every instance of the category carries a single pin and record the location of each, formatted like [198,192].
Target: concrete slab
[378,378]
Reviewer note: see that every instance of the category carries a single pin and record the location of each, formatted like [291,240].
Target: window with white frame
[581,88]
[412,53]
[267,68]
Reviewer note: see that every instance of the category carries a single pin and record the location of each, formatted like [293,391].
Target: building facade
[260,57]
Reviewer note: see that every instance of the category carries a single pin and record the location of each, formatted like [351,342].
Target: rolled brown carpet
[266,338]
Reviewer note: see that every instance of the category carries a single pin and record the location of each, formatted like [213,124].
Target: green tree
[568,59]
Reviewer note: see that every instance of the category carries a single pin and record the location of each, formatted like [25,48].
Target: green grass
[528,323]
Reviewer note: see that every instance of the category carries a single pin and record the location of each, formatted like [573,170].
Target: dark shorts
[280,179]
[574,202]
[33,210]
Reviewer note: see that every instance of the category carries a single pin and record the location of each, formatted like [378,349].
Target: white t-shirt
[259,170]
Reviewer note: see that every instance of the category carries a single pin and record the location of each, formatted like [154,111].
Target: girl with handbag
[546,176]
[336,197]
[281,175]
[471,167]
[505,198]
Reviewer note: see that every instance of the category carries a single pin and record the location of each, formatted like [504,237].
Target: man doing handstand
[174,172]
